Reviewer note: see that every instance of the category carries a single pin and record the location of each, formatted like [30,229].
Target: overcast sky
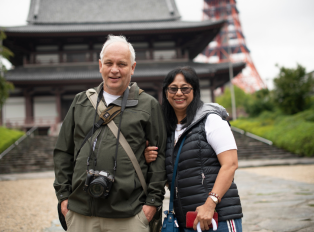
[276,31]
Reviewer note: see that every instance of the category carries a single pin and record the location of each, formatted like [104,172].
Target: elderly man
[96,183]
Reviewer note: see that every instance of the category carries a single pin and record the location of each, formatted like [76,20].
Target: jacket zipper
[102,136]
[94,146]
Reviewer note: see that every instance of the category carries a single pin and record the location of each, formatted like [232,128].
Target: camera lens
[97,187]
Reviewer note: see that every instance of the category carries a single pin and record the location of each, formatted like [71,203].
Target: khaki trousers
[77,223]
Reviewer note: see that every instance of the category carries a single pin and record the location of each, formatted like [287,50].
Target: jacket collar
[132,98]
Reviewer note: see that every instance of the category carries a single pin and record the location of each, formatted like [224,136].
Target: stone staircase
[33,154]
[249,149]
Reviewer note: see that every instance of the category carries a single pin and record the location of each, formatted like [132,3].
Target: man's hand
[64,207]
[150,153]
[205,214]
[149,212]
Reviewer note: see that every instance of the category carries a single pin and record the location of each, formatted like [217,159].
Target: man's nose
[114,69]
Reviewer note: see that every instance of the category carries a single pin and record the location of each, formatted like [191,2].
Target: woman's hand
[150,153]
[205,214]
[229,163]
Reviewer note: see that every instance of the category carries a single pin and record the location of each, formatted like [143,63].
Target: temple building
[56,54]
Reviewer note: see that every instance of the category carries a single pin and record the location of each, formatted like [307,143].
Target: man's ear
[133,68]
[100,65]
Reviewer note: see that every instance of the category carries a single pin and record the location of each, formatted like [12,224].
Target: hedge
[8,137]
[294,133]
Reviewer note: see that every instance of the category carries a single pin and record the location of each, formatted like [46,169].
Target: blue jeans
[223,226]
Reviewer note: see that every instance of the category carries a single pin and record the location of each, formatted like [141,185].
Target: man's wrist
[63,196]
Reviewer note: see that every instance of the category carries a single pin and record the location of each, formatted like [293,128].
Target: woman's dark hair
[170,116]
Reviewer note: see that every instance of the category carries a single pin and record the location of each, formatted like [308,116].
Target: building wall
[206,96]
[45,110]
[13,111]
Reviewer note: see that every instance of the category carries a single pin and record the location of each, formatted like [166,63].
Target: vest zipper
[178,196]
[203,177]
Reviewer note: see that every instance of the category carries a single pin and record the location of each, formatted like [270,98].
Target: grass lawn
[7,137]
[294,133]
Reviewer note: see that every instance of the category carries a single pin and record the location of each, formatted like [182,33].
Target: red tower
[232,35]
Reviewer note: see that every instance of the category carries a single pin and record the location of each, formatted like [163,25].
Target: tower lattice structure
[232,35]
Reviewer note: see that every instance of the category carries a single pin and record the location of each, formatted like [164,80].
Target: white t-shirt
[109,97]
[218,134]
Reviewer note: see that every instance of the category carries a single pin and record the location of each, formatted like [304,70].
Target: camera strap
[126,146]
[124,99]
[106,114]
[98,124]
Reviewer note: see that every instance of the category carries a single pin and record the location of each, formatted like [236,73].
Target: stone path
[274,204]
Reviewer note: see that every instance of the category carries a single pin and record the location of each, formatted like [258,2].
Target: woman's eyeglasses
[184,90]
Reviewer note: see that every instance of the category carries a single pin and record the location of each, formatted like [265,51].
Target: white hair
[113,39]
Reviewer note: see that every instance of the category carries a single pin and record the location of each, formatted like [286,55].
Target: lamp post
[233,104]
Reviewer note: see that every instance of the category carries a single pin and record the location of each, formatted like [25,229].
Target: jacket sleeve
[63,156]
[156,176]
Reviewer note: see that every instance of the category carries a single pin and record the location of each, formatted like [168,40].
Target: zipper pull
[176,192]
[203,177]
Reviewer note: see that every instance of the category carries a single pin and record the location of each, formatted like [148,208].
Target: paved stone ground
[274,204]
[269,203]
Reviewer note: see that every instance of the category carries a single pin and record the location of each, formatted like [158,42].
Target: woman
[208,159]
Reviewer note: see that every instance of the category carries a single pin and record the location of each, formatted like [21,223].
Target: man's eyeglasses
[184,90]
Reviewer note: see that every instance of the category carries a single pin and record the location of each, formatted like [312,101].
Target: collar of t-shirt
[109,97]
[179,131]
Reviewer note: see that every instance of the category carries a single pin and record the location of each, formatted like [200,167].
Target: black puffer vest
[197,171]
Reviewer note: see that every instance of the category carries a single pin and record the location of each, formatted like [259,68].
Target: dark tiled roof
[92,72]
[72,28]
[100,11]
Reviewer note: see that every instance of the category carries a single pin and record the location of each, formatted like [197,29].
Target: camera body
[98,183]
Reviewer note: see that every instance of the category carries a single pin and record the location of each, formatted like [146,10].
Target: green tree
[261,100]
[5,86]
[293,89]
[240,98]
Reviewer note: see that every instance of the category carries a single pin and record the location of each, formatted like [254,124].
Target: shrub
[8,137]
[293,133]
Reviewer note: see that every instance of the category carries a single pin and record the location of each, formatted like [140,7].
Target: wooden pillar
[212,89]
[60,52]
[58,104]
[28,107]
[160,96]
[158,88]
[212,94]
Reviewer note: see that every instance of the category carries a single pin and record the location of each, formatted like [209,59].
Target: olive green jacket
[141,122]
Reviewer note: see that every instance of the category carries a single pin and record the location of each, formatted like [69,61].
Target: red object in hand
[190,218]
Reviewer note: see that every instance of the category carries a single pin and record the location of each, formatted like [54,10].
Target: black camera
[98,183]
